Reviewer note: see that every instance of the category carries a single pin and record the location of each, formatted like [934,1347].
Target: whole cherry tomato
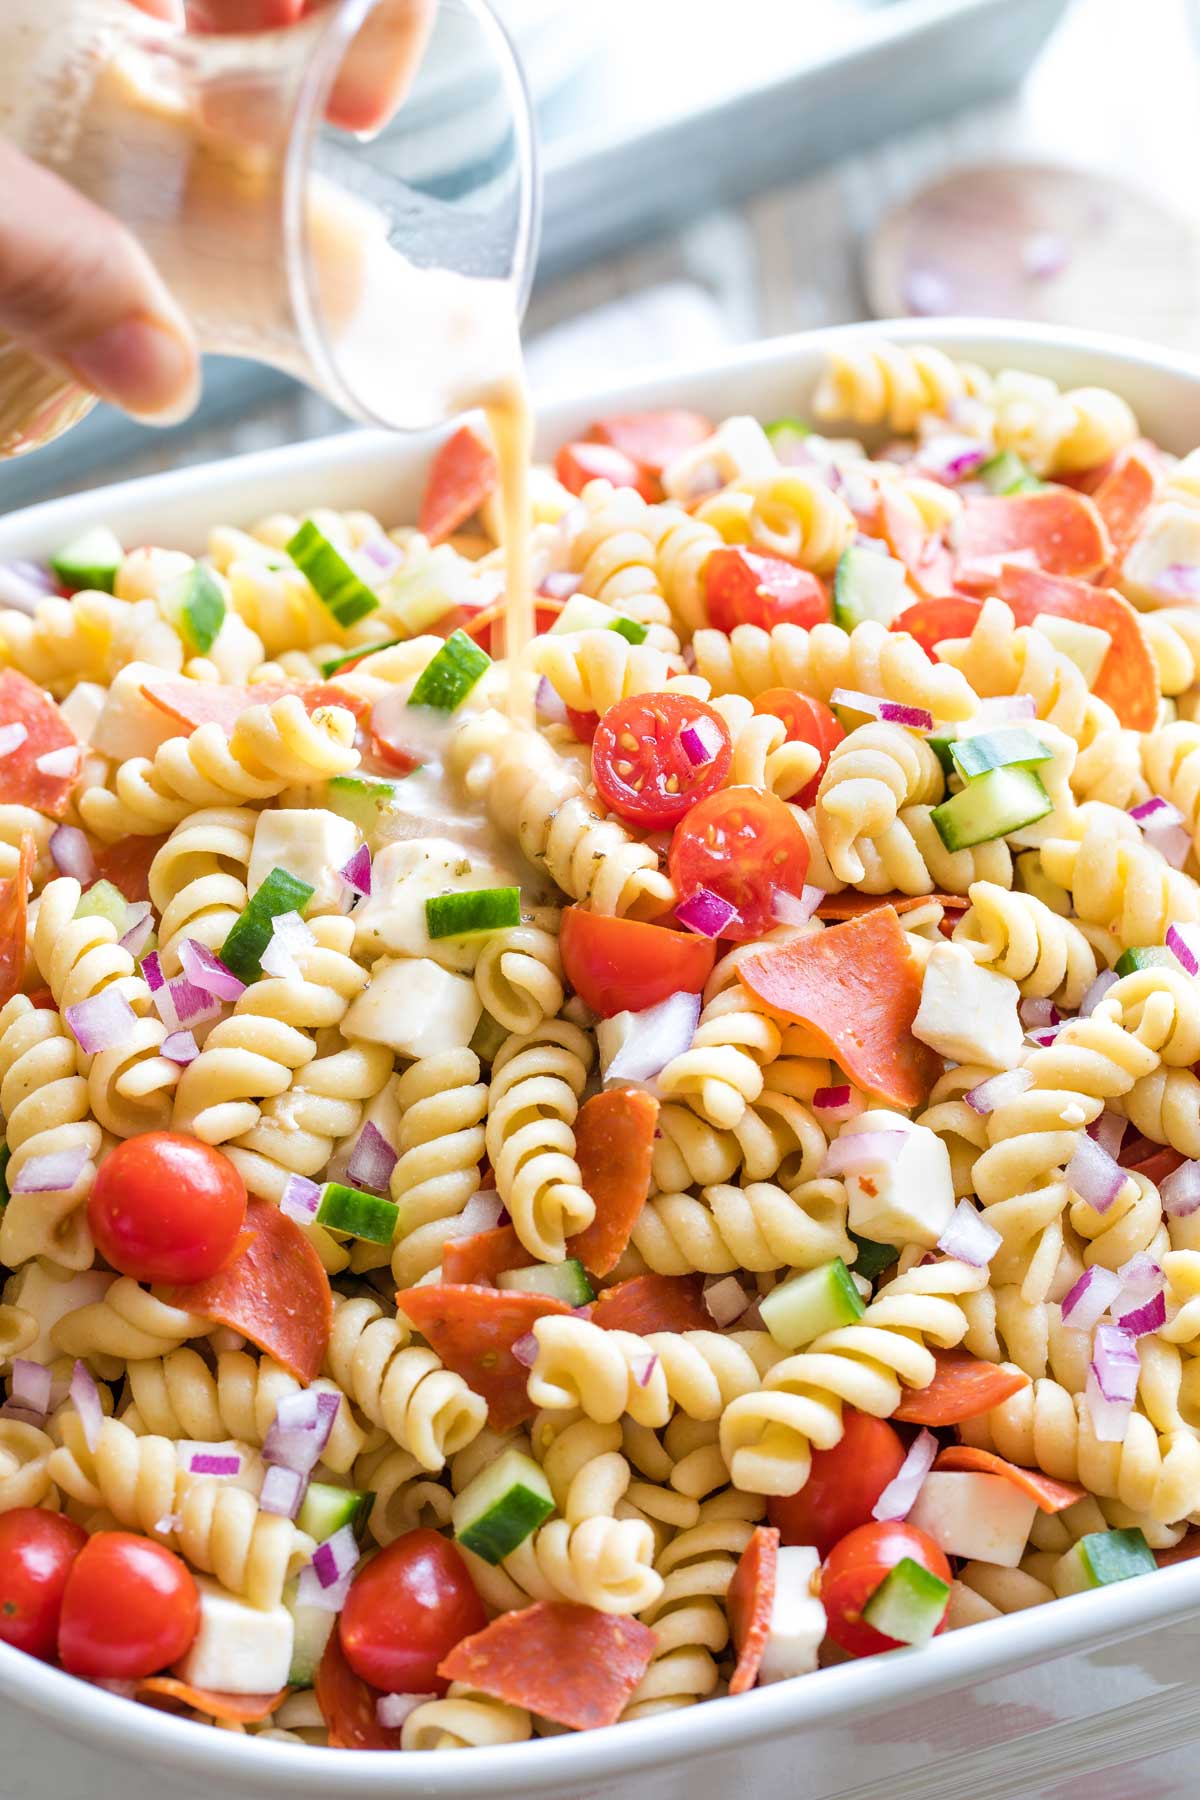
[166,1207]
[808,722]
[624,965]
[655,755]
[843,1486]
[854,1569]
[130,1608]
[744,587]
[746,846]
[406,1610]
[36,1552]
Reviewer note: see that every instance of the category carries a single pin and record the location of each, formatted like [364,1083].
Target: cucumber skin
[953,818]
[907,1588]
[506,1524]
[556,1277]
[90,560]
[325,1509]
[1116,1556]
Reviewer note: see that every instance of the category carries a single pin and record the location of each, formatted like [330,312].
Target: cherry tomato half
[577,464]
[808,722]
[624,965]
[931,621]
[744,587]
[744,845]
[854,1569]
[639,762]
[36,1552]
[406,1610]
[583,724]
[166,1207]
[130,1608]
[843,1486]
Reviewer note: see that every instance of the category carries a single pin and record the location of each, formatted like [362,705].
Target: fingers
[242,15]
[77,290]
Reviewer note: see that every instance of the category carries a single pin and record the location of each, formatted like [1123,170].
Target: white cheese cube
[238,1649]
[82,708]
[415,1007]
[1164,559]
[129,724]
[981,1517]
[739,449]
[907,1199]
[312,845]
[968,1013]
[797,1625]
[391,920]
[1085,645]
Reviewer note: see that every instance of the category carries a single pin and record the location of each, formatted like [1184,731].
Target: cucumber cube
[325,1509]
[1102,1558]
[868,586]
[358,1214]
[196,603]
[997,750]
[499,1509]
[1007,474]
[565,1281]
[1145,956]
[799,1310]
[313,1629]
[872,1258]
[909,1604]
[104,901]
[363,799]
[90,561]
[990,807]
[943,748]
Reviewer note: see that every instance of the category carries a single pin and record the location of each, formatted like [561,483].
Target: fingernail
[142,366]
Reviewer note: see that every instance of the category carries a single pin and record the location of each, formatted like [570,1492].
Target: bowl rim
[88,1713]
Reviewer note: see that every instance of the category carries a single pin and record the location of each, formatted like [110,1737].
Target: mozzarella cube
[968,1013]
[238,1649]
[738,450]
[129,724]
[391,920]
[415,1007]
[1085,645]
[82,708]
[908,1198]
[1162,566]
[984,1518]
[312,845]
[797,1625]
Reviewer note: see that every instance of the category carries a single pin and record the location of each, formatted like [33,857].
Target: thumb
[78,291]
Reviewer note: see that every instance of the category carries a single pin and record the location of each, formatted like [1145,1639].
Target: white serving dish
[1089,1699]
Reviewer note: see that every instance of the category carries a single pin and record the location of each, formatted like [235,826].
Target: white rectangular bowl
[1089,1699]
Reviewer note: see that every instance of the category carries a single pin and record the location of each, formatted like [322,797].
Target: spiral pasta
[537,1080]
[197,880]
[464,1720]
[872,382]
[399,1385]
[25,1474]
[870,775]
[787,513]
[45,1106]
[518,976]
[601,1372]
[754,1226]
[443,1105]
[90,637]
[1059,433]
[130,1323]
[1017,935]
[613,548]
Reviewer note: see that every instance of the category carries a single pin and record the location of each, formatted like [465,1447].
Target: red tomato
[640,766]
[583,724]
[482,626]
[653,439]
[742,844]
[808,722]
[36,1552]
[930,621]
[406,1610]
[577,464]
[746,588]
[854,1569]
[166,1207]
[844,1484]
[624,965]
[131,1607]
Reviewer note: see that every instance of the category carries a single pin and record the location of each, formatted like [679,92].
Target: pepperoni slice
[275,1293]
[649,1303]
[1128,678]
[1063,530]
[852,906]
[1051,1496]
[577,464]
[614,1146]
[473,1330]
[127,864]
[22,783]
[232,1709]
[348,1705]
[568,1663]
[653,439]
[14,920]
[929,563]
[1126,494]
[963,1386]
[477,1260]
[462,475]
[482,625]
[751,1597]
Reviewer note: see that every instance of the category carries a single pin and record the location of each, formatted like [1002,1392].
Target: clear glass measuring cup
[389,273]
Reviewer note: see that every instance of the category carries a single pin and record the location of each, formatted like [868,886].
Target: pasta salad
[536,1192]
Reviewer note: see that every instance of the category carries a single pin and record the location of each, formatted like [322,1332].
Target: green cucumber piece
[1110,1556]
[90,560]
[1145,956]
[868,586]
[499,1509]
[250,934]
[334,663]
[943,749]
[1011,747]
[363,799]
[358,1214]
[340,588]
[873,1258]
[5,1154]
[104,901]
[909,1604]
[325,1509]
[1007,474]
[197,605]
[565,1281]
[786,433]
[990,806]
[799,1310]
[482,909]
[313,1627]
[632,630]
[445,682]
[488,1038]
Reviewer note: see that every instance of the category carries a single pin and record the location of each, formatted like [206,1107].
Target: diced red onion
[1108,1131]
[657,1035]
[998,1090]
[55,763]
[1109,1418]
[914,718]
[372,1160]
[211,1459]
[139,927]
[289,934]
[969,1237]
[1180,1190]
[378,558]
[643,1368]
[1116,1362]
[282,1491]
[858,1150]
[357,872]
[796,909]
[1044,1037]
[1150,1316]
[899,1496]
[300,1429]
[1087,1301]
[560,584]
[832,1099]
[204,970]
[54,1172]
[705,913]
[101,1022]
[857,702]
[23,585]
[182,1004]
[726,1300]
[12,737]
[152,972]
[549,704]
[85,1396]
[1156,808]
[950,457]
[1107,978]
[336,1558]
[1093,1174]
[72,854]
[1178,581]
[300,1199]
[1184,942]
[701,742]
[525,1349]
[482,1212]
[1141,1278]
[311,1591]
[1172,842]
[1037,1014]
[179,1047]
[391,1710]
[30,1390]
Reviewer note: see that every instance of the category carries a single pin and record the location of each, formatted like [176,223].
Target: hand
[77,289]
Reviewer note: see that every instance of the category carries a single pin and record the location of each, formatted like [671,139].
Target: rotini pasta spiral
[537,1080]
[1119,883]
[518,976]
[1059,433]
[443,1105]
[464,1720]
[296,1130]
[1172,762]
[45,1106]
[896,385]
[871,774]
[722,1072]
[25,1475]
[87,638]
[601,1372]
[198,879]
[129,1323]
[754,1226]
[400,1386]
[788,513]
[592,670]
[613,549]
[1017,935]
[1173,634]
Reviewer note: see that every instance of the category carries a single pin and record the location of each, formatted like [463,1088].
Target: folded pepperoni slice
[568,1663]
[614,1146]
[1126,494]
[1128,678]
[275,1293]
[963,1386]
[653,439]
[231,1709]
[462,475]
[852,906]
[476,1261]
[649,1303]
[127,864]
[22,782]
[1051,1496]
[473,1330]
[1063,530]
[14,920]
[751,1597]
[348,1705]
